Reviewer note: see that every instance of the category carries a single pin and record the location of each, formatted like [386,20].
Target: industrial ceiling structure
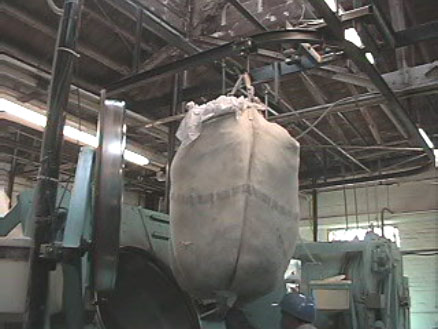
[91,96]
[362,112]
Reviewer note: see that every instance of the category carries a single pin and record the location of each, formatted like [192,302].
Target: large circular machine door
[146,296]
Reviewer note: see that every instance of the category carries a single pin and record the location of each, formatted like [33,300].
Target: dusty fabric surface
[234,207]
[191,126]
[307,326]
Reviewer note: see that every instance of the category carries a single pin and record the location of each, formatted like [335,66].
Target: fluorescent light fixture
[135,158]
[22,113]
[331,4]
[40,120]
[351,35]
[114,102]
[80,136]
[370,58]
[426,138]
[429,143]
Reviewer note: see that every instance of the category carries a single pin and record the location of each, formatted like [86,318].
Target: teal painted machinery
[374,292]
[145,287]
[145,295]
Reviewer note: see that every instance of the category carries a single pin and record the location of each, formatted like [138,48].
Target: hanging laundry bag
[234,201]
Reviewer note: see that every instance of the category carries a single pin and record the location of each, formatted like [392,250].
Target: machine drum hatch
[146,296]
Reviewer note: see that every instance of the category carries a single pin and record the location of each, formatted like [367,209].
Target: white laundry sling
[234,201]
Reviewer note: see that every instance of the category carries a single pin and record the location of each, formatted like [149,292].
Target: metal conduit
[44,204]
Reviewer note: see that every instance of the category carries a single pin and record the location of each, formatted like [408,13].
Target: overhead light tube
[426,138]
[36,119]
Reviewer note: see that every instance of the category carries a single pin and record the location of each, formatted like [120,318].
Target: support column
[11,175]
[172,138]
[315,214]
[44,202]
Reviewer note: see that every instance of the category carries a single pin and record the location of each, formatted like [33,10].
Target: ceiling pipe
[357,55]
[92,100]
[382,219]
[365,179]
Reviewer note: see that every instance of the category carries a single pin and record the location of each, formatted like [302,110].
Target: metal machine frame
[90,231]
[378,292]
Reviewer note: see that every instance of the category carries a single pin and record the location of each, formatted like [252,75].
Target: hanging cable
[58,11]
[224,77]
[237,86]
[345,207]
[387,196]
[368,204]
[376,203]
[355,205]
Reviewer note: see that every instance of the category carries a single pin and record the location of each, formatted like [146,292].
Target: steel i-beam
[357,55]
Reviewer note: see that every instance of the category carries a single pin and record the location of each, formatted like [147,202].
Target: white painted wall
[414,201]
[19,186]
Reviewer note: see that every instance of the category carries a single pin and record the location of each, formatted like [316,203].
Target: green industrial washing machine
[146,294]
[373,294]
[110,269]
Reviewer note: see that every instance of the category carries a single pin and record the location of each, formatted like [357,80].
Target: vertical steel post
[315,214]
[172,138]
[11,175]
[276,68]
[224,77]
[44,202]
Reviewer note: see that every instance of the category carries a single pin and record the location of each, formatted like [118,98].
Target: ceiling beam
[233,48]
[362,100]
[156,25]
[410,11]
[398,20]
[177,39]
[248,15]
[419,33]
[122,33]
[309,125]
[421,75]
[52,32]
[319,97]
[357,55]
[341,74]
[377,177]
[27,74]
[365,112]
